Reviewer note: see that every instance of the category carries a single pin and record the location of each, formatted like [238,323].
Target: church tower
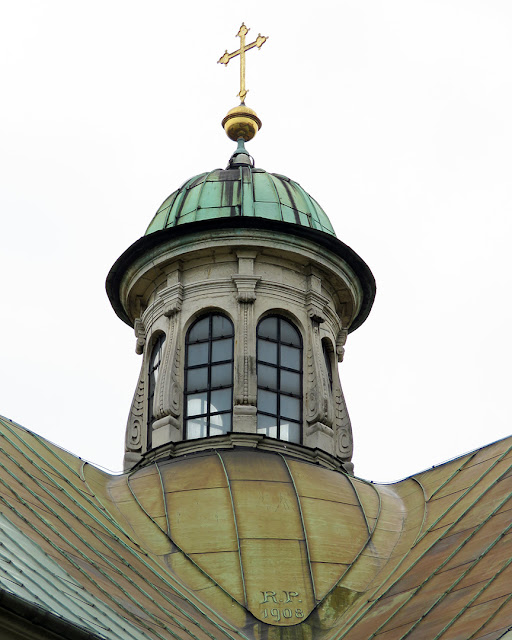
[241,297]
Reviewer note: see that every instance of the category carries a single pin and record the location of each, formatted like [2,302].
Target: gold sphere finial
[242,122]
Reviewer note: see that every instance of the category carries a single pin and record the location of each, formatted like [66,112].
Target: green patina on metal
[240,191]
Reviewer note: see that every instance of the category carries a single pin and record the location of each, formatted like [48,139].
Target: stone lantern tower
[241,298]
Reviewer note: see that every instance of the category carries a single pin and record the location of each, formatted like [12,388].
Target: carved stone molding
[316,303]
[232,440]
[169,391]
[172,298]
[245,357]
[245,347]
[140,334]
[165,430]
[318,392]
[244,418]
[246,287]
[342,428]
[135,425]
[341,340]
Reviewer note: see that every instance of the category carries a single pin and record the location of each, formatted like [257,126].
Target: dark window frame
[280,371]
[211,386]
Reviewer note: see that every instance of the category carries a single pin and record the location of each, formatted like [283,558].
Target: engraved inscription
[288,609]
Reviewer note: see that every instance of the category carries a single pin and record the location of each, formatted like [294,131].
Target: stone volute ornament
[241,298]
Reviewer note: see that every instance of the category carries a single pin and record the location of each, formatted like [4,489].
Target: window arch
[279,359]
[209,377]
[154,365]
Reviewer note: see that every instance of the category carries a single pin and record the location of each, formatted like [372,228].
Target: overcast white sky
[395,116]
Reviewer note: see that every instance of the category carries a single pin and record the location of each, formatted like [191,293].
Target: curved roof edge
[142,245]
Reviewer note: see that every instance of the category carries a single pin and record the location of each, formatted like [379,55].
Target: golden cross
[242,32]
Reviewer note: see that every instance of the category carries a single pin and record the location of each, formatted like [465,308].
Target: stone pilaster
[319,410]
[168,401]
[245,383]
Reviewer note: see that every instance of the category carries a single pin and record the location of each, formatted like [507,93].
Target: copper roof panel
[448,576]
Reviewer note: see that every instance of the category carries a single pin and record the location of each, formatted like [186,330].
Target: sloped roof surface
[242,191]
[30,574]
[428,557]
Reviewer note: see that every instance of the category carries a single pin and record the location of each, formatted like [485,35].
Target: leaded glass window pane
[290,357]
[197,379]
[279,355]
[198,354]
[222,350]
[220,423]
[267,376]
[267,352]
[290,382]
[267,425]
[199,331]
[290,335]
[290,407]
[222,375]
[208,385]
[196,428]
[220,400]
[268,328]
[221,327]
[197,404]
[267,401]
[290,431]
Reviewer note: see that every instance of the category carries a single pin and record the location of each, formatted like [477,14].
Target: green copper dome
[240,190]
[236,201]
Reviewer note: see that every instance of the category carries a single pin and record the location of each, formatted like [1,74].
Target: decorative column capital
[172,299]
[341,339]
[315,304]
[140,334]
[246,287]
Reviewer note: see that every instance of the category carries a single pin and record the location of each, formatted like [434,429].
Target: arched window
[209,377]
[279,355]
[154,365]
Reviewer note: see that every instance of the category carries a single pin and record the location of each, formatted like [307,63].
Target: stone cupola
[241,298]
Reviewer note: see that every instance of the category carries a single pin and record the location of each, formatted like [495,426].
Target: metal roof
[241,191]
[191,548]
[27,572]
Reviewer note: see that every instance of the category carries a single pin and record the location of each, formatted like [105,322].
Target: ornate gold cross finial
[242,32]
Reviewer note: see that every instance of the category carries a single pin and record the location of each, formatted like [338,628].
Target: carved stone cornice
[245,287]
[233,440]
[140,334]
[172,298]
[316,304]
